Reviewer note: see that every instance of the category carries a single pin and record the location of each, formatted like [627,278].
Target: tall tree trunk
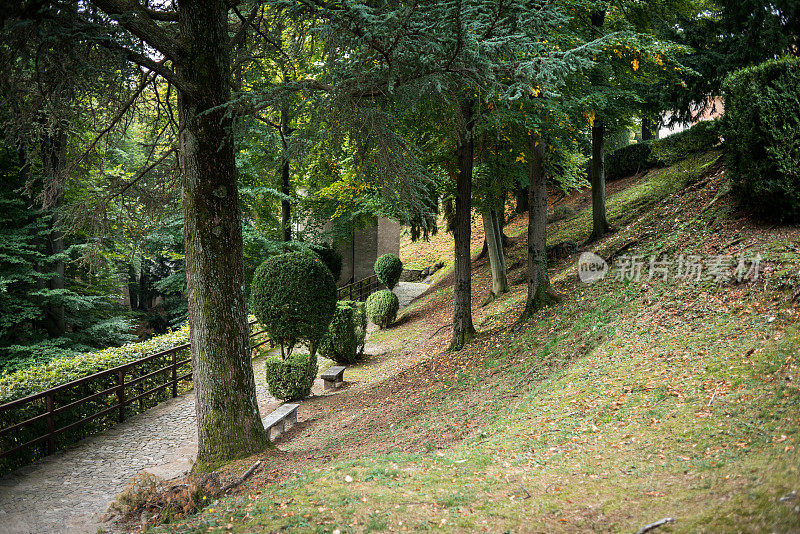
[521,194]
[597,172]
[227,413]
[540,292]
[133,287]
[647,128]
[286,207]
[463,329]
[54,162]
[497,263]
[502,239]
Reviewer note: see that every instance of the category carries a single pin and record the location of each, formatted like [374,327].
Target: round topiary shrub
[388,268]
[382,307]
[761,127]
[294,298]
[330,257]
[290,378]
[344,341]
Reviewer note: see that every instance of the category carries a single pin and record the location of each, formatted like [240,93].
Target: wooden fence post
[174,375]
[51,425]
[121,394]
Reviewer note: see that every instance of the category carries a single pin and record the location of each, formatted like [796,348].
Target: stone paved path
[69,491]
[408,291]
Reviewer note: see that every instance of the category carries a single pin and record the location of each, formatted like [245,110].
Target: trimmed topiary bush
[330,257]
[290,378]
[389,268]
[761,127]
[627,161]
[294,298]
[344,342]
[382,307]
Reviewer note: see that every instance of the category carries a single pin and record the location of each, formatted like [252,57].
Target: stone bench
[277,419]
[333,377]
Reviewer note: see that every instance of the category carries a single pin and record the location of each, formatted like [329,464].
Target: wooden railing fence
[39,424]
[359,290]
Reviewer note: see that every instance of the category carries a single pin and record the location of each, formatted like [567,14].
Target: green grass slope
[626,403]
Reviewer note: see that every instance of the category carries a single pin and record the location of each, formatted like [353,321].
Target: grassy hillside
[626,403]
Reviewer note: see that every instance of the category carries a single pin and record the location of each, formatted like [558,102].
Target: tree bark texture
[463,329]
[597,172]
[229,425]
[286,207]
[540,292]
[497,263]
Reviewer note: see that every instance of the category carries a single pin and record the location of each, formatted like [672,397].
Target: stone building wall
[359,255]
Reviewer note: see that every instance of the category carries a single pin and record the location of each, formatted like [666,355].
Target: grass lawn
[626,403]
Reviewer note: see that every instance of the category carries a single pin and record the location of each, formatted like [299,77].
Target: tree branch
[246,22]
[166,16]
[141,175]
[134,18]
[121,113]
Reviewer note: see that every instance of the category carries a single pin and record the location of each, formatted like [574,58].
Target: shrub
[330,257]
[290,378]
[761,127]
[294,297]
[676,147]
[389,268]
[627,161]
[382,307]
[344,342]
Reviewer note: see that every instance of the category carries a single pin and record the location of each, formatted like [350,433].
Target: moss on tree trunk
[463,329]
[229,425]
[540,292]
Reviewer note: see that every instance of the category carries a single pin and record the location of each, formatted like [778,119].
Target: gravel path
[69,491]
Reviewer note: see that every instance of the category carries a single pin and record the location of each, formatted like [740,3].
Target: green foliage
[344,341]
[382,307]
[676,147]
[91,318]
[36,378]
[294,298]
[723,36]
[762,137]
[388,268]
[331,257]
[290,378]
[628,160]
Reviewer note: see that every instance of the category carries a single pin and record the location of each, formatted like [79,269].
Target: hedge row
[38,378]
[637,157]
[762,137]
